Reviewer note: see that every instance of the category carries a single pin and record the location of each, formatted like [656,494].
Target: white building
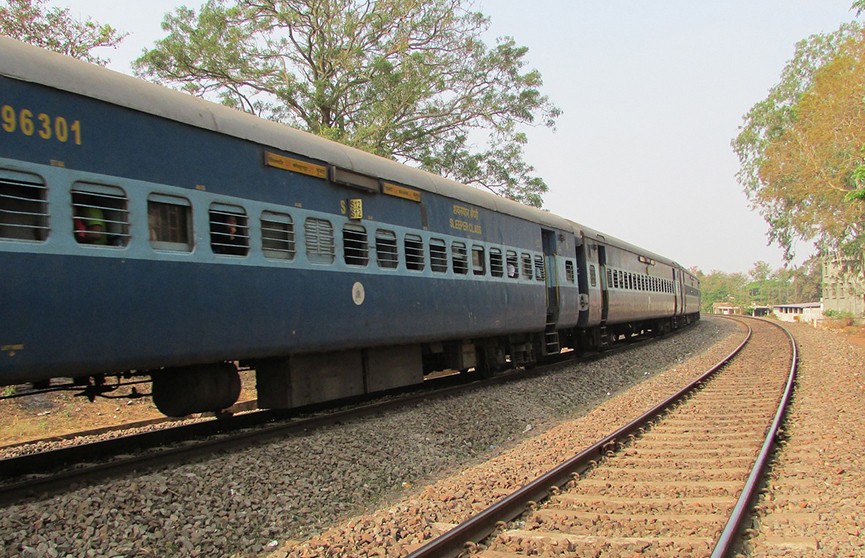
[807,312]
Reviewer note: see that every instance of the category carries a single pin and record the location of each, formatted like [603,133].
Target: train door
[581,255]
[551,274]
[676,304]
[605,298]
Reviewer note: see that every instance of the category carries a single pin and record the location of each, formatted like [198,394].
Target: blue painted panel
[166,152]
[111,314]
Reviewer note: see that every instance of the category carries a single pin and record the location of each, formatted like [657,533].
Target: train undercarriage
[306,379]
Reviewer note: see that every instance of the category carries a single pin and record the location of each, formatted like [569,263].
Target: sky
[652,93]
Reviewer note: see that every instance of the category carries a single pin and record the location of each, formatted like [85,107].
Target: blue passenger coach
[143,230]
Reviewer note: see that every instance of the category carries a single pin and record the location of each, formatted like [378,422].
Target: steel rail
[480,526]
[740,511]
[46,461]
[263,426]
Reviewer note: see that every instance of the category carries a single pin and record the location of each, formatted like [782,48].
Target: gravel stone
[306,495]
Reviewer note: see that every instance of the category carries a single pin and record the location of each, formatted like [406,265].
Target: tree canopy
[31,21]
[762,286]
[410,80]
[802,149]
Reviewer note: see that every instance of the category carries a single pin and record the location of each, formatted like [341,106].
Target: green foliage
[775,127]
[765,287]
[410,80]
[838,314]
[722,287]
[30,21]
[8,391]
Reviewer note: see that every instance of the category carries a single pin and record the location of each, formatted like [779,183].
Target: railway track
[675,482]
[32,475]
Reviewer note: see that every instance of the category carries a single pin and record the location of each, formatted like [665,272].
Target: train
[145,232]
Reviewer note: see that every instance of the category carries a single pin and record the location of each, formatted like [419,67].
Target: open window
[385,249]
[460,258]
[540,272]
[229,230]
[479,264]
[414,258]
[170,222]
[513,265]
[23,206]
[438,255]
[496,263]
[355,244]
[100,215]
[277,236]
[527,266]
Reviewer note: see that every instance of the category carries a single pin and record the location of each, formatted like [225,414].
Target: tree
[760,271]
[807,281]
[410,80]
[809,172]
[772,127]
[722,287]
[55,29]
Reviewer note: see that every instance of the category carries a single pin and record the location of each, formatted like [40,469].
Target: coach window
[460,258]
[527,266]
[540,272]
[23,209]
[170,223]
[355,245]
[100,215]
[318,239]
[478,260]
[496,263]
[593,280]
[438,255]
[277,236]
[569,271]
[414,259]
[513,265]
[229,230]
[385,249]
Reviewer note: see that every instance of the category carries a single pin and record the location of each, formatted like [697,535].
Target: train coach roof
[619,243]
[32,64]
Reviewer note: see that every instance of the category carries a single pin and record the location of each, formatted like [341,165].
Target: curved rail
[480,526]
[55,470]
[739,514]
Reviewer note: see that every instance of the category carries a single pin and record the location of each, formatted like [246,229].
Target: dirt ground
[58,413]
[64,412]
[856,334]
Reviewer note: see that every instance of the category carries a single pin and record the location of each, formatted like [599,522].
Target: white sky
[652,94]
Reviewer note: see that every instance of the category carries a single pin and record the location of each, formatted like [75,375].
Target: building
[725,308]
[807,312]
[844,287]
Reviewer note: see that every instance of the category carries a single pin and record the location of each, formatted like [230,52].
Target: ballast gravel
[306,495]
